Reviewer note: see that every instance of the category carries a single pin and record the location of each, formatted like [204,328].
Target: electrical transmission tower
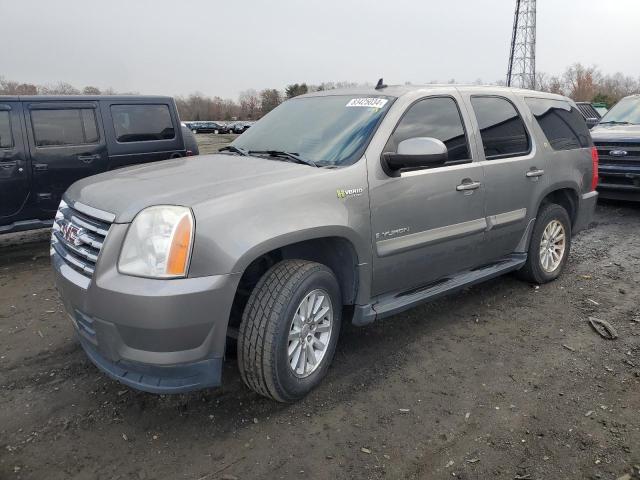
[522,60]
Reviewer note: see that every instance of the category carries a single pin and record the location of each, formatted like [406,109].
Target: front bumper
[160,336]
[619,182]
[586,210]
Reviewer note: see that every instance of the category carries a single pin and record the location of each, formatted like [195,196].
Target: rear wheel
[550,245]
[289,330]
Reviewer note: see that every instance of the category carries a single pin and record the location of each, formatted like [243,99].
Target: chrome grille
[78,237]
[631,155]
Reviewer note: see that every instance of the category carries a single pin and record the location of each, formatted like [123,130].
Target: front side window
[562,124]
[142,123]
[331,130]
[436,117]
[501,128]
[68,126]
[6,139]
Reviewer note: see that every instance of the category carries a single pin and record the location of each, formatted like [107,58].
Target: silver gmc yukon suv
[343,205]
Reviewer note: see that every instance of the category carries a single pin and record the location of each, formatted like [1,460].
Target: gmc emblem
[618,153]
[71,234]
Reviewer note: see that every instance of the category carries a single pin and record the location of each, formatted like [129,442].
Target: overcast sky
[221,48]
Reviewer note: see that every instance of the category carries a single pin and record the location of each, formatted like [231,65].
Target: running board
[388,305]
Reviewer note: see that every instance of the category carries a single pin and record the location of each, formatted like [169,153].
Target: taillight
[594,162]
[189,153]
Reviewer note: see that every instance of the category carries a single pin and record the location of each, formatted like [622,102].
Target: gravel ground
[505,380]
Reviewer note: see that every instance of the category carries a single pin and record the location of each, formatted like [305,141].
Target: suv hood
[614,133]
[183,181]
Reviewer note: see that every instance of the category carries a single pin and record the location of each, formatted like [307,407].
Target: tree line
[582,83]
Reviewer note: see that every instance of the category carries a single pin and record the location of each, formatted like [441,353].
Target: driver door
[427,223]
[14,173]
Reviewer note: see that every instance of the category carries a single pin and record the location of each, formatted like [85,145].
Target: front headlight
[158,243]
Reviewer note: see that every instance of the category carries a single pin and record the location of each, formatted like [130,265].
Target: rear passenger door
[141,131]
[514,170]
[66,144]
[14,174]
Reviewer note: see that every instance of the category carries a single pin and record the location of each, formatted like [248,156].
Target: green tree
[270,98]
[296,89]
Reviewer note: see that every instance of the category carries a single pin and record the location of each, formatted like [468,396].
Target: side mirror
[414,153]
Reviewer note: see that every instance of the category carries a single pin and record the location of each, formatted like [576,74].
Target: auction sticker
[367,102]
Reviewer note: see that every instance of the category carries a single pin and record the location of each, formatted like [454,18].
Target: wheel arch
[338,252]
[565,195]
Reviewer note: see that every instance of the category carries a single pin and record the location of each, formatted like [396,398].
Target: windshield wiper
[616,122]
[234,149]
[290,155]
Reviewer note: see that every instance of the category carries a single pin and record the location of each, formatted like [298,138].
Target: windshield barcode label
[367,102]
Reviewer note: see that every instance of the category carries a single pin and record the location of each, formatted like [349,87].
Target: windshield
[625,111]
[330,130]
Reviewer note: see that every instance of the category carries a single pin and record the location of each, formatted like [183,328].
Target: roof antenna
[380,85]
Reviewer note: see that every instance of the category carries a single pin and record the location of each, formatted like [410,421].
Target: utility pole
[522,57]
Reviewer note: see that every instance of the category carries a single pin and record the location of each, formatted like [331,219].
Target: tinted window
[142,123]
[562,124]
[71,126]
[501,128]
[437,118]
[6,140]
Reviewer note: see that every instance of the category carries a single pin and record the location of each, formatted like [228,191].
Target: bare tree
[88,90]
[581,82]
[249,104]
[60,88]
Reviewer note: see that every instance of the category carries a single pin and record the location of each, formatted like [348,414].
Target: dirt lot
[506,380]
[211,143]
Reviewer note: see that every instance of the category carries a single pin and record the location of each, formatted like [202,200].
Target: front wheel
[550,245]
[289,330]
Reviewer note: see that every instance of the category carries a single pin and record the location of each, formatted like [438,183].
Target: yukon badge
[351,192]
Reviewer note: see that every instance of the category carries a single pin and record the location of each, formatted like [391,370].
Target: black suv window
[501,128]
[6,140]
[436,117]
[142,123]
[69,126]
[562,124]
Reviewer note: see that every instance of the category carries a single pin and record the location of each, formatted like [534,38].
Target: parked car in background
[590,114]
[208,127]
[362,202]
[617,138]
[49,142]
[239,127]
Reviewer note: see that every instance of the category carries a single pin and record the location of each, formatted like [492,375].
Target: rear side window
[69,126]
[501,128]
[562,124]
[142,123]
[6,139]
[436,117]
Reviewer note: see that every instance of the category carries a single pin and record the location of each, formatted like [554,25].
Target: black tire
[264,330]
[533,270]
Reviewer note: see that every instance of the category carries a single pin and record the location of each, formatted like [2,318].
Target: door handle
[88,158]
[534,172]
[464,186]
[40,167]
[8,165]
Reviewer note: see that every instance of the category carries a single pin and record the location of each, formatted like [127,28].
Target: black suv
[617,138]
[47,143]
